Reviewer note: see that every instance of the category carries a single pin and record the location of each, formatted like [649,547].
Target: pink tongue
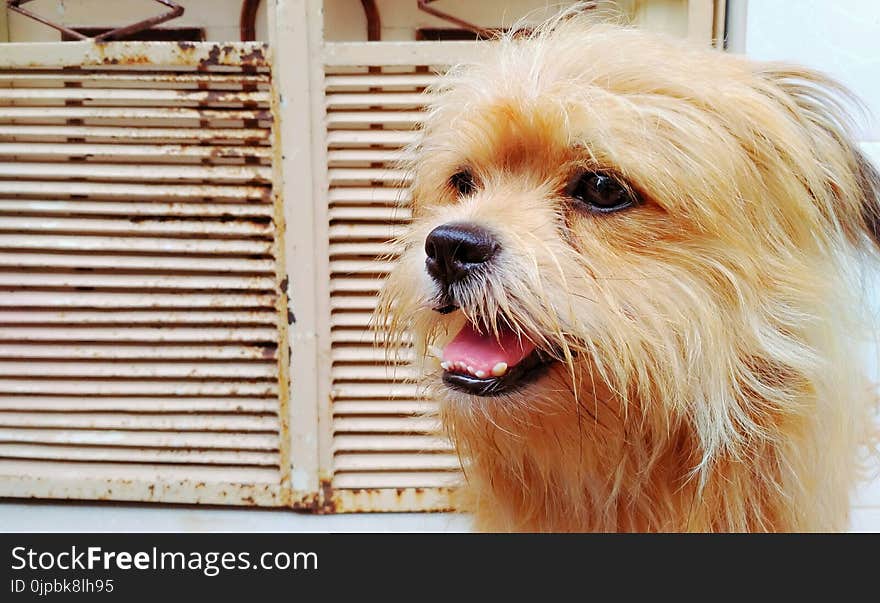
[483,351]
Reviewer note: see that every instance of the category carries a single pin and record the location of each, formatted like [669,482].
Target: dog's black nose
[454,250]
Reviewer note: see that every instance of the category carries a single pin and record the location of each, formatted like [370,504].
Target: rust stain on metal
[220,54]
[327,500]
[117,59]
[321,502]
[212,59]
[242,96]
[250,58]
[255,57]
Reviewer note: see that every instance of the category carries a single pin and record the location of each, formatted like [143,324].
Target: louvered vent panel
[138,291]
[385,434]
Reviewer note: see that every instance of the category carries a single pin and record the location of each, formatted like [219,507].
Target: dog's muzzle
[457,250]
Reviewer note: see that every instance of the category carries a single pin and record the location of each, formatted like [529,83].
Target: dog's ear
[823,108]
[869,184]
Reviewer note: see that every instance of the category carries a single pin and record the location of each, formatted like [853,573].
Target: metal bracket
[247,23]
[480,31]
[175,11]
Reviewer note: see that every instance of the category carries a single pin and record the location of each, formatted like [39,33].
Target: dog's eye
[463,183]
[601,192]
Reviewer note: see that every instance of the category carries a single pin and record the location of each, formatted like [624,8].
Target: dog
[632,283]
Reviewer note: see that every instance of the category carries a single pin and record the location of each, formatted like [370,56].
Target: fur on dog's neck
[584,462]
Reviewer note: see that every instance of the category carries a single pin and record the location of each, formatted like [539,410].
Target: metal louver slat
[153,369]
[177,404]
[146,97]
[132,191]
[140,314]
[191,116]
[67,207]
[135,245]
[128,79]
[393,120]
[356,480]
[163,421]
[385,443]
[385,433]
[358,195]
[125,173]
[362,138]
[385,81]
[133,387]
[140,133]
[157,456]
[150,439]
[140,227]
[386,100]
[110,262]
[111,300]
[141,317]
[131,152]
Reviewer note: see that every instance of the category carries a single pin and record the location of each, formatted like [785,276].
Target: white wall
[842,39]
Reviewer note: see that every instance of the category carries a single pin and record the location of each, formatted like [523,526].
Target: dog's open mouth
[483,364]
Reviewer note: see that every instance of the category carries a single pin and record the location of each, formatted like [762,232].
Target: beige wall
[400,18]
[4,27]
[344,19]
[220,18]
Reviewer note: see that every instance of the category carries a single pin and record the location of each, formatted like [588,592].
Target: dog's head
[621,223]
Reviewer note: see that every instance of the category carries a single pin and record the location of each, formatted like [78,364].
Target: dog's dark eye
[601,192]
[463,183]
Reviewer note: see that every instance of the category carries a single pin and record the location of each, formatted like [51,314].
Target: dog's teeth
[470,369]
[445,365]
[480,374]
[499,369]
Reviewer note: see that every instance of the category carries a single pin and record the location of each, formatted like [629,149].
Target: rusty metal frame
[248,20]
[175,11]
[173,61]
[202,55]
[301,184]
[374,21]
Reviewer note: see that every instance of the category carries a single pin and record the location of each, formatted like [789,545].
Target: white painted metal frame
[385,59]
[303,140]
[297,34]
[236,468]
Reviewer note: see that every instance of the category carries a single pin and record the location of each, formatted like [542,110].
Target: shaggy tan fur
[708,375]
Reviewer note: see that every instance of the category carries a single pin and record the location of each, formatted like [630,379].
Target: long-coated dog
[636,263]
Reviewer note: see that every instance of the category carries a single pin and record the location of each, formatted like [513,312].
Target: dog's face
[603,217]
